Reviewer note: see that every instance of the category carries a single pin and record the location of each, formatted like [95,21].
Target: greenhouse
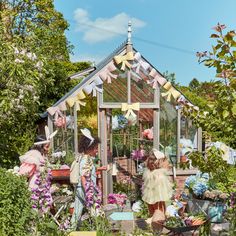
[137,109]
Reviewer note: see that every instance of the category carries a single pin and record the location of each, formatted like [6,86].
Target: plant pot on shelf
[71,210]
[183,159]
[60,173]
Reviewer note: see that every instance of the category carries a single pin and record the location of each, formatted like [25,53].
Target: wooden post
[50,127]
[103,151]
[75,130]
[178,134]
[199,139]
[156,120]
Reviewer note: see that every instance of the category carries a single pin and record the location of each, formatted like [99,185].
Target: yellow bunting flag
[129,108]
[76,99]
[124,60]
[171,92]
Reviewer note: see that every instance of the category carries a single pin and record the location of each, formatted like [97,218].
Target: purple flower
[41,196]
[116,198]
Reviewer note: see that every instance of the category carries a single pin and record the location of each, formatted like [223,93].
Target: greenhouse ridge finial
[129,33]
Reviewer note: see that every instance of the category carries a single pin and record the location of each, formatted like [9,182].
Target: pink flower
[219,27]
[148,133]
[116,198]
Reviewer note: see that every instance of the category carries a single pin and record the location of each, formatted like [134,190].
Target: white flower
[39,65]
[17,60]
[31,56]
[63,154]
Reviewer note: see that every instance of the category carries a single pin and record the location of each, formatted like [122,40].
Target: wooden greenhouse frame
[103,107]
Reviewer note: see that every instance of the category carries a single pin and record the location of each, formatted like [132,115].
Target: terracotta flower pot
[71,210]
[60,173]
[183,159]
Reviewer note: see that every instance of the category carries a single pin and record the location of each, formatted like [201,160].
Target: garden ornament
[140,63]
[157,78]
[48,137]
[172,210]
[171,92]
[106,73]
[137,206]
[86,132]
[124,60]
[159,155]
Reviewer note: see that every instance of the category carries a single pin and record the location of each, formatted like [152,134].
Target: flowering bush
[138,155]
[200,186]
[15,204]
[148,133]
[119,122]
[116,198]
[41,195]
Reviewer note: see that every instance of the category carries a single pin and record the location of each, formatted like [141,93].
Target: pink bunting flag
[106,73]
[157,78]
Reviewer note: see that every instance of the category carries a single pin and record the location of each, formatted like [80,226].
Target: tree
[194,84]
[219,122]
[34,65]
[220,119]
[171,78]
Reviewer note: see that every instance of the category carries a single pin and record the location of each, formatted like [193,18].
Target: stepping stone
[83,233]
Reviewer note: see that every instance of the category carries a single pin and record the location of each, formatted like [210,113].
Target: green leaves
[225,114]
[34,65]
[15,205]
[234,109]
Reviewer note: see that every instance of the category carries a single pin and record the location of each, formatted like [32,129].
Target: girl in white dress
[157,187]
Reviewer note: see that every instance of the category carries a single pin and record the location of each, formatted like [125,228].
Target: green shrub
[15,204]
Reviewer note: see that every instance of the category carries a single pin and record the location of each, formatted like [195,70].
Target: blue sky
[166,32]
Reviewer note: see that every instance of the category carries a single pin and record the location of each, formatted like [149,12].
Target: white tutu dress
[157,186]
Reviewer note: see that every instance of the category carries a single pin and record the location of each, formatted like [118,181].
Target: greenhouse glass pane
[168,129]
[116,91]
[188,136]
[141,91]
[64,139]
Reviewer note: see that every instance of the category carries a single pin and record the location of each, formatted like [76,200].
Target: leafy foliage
[15,205]
[34,65]
[99,224]
[220,120]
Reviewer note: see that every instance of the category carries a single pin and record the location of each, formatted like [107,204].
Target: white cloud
[103,29]
[87,57]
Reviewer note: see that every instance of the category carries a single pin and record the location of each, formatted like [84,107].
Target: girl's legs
[78,207]
[156,206]
[151,209]
[161,206]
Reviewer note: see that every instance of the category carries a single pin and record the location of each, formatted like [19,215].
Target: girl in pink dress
[32,162]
